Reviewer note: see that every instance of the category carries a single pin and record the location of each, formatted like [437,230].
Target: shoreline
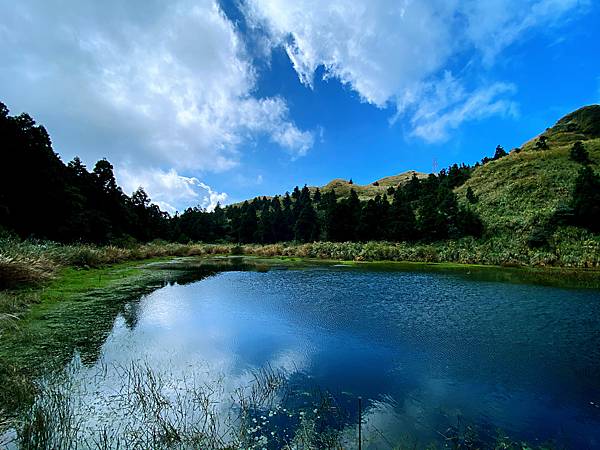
[75,311]
[79,277]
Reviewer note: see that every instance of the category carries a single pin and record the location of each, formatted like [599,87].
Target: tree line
[420,210]
[44,198]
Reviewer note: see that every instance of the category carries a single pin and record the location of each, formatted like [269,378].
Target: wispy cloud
[444,105]
[394,53]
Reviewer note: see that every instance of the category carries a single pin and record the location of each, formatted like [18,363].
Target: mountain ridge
[582,124]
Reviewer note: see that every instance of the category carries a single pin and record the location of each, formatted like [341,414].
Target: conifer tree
[579,154]
[248,223]
[470,195]
[402,222]
[500,152]
[586,199]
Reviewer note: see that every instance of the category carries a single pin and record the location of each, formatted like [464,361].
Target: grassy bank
[25,262]
[25,266]
[41,325]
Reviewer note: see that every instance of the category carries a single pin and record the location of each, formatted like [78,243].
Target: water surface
[424,350]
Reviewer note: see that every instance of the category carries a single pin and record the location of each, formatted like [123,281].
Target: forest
[43,198]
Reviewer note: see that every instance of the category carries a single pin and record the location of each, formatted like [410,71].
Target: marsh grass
[152,409]
[155,409]
[27,268]
[30,262]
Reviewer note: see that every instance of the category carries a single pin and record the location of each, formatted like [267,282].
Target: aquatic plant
[163,410]
[151,409]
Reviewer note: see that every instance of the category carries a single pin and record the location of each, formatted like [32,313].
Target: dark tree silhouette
[42,197]
[579,154]
[542,143]
[470,195]
[586,199]
[500,152]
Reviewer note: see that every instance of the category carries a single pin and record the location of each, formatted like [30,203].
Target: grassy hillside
[522,190]
[342,187]
[518,194]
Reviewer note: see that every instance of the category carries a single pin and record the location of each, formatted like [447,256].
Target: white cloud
[495,24]
[442,106]
[267,115]
[144,83]
[392,52]
[176,190]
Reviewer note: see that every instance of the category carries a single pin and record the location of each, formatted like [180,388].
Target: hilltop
[342,187]
[517,192]
[523,189]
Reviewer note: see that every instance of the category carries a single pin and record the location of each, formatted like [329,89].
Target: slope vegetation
[524,189]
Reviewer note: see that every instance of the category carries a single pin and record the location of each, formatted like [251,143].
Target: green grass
[74,311]
[522,190]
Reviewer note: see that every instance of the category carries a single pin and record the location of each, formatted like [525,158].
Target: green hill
[517,197]
[342,187]
[522,190]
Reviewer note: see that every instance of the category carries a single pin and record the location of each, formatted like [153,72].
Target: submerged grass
[153,409]
[76,310]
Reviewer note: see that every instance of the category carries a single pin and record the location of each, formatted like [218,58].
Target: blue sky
[202,101]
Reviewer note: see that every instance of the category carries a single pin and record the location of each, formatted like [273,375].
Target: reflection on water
[426,351]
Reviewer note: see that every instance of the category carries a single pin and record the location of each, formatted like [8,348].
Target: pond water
[425,351]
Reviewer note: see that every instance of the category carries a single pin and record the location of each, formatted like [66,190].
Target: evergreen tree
[542,143]
[500,152]
[469,223]
[412,189]
[586,199]
[279,221]
[248,223]
[372,220]
[289,218]
[352,212]
[579,154]
[402,224]
[219,221]
[306,227]
[329,202]
[471,197]
[317,198]
[265,232]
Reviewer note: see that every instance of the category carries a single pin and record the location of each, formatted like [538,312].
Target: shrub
[542,143]
[236,250]
[538,238]
[579,154]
